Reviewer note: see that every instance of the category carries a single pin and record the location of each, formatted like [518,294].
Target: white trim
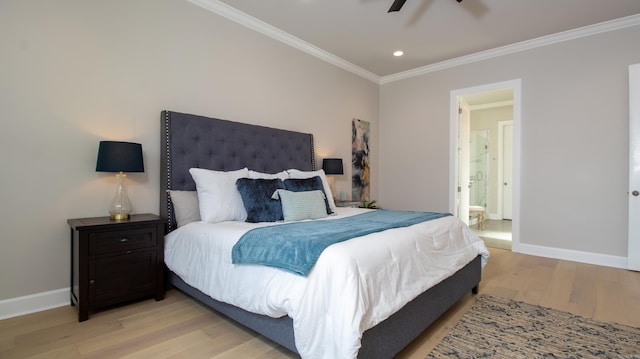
[262,27]
[633,237]
[38,302]
[575,256]
[500,189]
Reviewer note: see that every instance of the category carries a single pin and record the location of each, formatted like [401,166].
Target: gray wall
[75,72]
[574,159]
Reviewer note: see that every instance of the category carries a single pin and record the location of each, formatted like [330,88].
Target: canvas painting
[360,160]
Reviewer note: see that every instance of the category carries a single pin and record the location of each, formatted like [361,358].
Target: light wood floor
[178,327]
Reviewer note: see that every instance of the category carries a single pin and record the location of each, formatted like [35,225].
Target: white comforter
[355,284]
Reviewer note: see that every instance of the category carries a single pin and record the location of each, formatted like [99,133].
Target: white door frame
[464,132]
[500,184]
[633,240]
[515,85]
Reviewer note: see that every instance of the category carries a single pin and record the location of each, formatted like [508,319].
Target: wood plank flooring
[178,327]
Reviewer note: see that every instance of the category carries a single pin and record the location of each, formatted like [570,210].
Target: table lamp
[331,167]
[120,157]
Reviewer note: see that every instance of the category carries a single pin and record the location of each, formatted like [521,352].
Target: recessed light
[398,53]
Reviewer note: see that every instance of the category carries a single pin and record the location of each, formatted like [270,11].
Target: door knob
[635,193]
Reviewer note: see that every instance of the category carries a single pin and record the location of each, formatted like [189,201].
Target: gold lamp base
[120,216]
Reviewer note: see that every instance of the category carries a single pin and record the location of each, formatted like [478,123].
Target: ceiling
[363,35]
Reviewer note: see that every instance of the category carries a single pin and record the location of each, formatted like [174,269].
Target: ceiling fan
[397,5]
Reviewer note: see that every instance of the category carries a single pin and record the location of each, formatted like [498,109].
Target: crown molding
[262,27]
[612,25]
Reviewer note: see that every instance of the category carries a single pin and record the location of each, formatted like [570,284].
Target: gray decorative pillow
[297,206]
[185,206]
[256,197]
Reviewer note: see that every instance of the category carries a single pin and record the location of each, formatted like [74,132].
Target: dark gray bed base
[382,341]
[195,141]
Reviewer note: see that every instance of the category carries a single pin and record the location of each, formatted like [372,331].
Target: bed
[191,141]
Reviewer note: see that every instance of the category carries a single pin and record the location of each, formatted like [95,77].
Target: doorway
[484,160]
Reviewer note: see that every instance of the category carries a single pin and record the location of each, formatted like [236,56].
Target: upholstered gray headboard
[189,141]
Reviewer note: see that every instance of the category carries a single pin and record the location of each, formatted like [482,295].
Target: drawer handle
[92,282]
[124,240]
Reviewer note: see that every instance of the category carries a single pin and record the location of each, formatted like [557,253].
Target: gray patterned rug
[502,328]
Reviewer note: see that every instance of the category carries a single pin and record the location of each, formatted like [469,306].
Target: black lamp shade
[114,156]
[332,166]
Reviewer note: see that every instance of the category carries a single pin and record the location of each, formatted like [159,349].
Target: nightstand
[352,204]
[114,261]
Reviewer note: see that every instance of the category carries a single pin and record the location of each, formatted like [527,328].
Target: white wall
[75,72]
[574,139]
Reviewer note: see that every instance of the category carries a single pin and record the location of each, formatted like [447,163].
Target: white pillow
[294,173]
[297,206]
[185,206]
[257,175]
[218,197]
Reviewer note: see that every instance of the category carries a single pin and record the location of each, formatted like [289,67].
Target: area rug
[502,328]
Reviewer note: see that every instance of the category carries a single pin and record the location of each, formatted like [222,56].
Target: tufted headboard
[189,141]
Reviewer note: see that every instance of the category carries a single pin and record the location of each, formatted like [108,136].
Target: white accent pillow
[218,197]
[185,206]
[261,175]
[297,206]
[294,173]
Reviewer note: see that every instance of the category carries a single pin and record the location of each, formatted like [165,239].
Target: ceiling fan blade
[397,5]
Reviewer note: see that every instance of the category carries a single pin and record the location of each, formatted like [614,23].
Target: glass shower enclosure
[479,168]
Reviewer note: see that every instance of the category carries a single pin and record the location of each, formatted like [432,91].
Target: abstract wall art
[360,160]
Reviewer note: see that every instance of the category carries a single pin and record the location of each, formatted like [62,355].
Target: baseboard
[572,255]
[14,307]
[38,302]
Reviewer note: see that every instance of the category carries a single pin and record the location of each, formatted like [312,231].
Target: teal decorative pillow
[297,206]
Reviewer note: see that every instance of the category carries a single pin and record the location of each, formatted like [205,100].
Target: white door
[464,153]
[506,168]
[633,255]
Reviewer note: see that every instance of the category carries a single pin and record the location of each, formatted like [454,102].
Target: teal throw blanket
[295,247]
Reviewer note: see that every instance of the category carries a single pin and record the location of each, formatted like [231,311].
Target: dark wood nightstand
[114,261]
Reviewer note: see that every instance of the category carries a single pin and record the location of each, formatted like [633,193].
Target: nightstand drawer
[121,240]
